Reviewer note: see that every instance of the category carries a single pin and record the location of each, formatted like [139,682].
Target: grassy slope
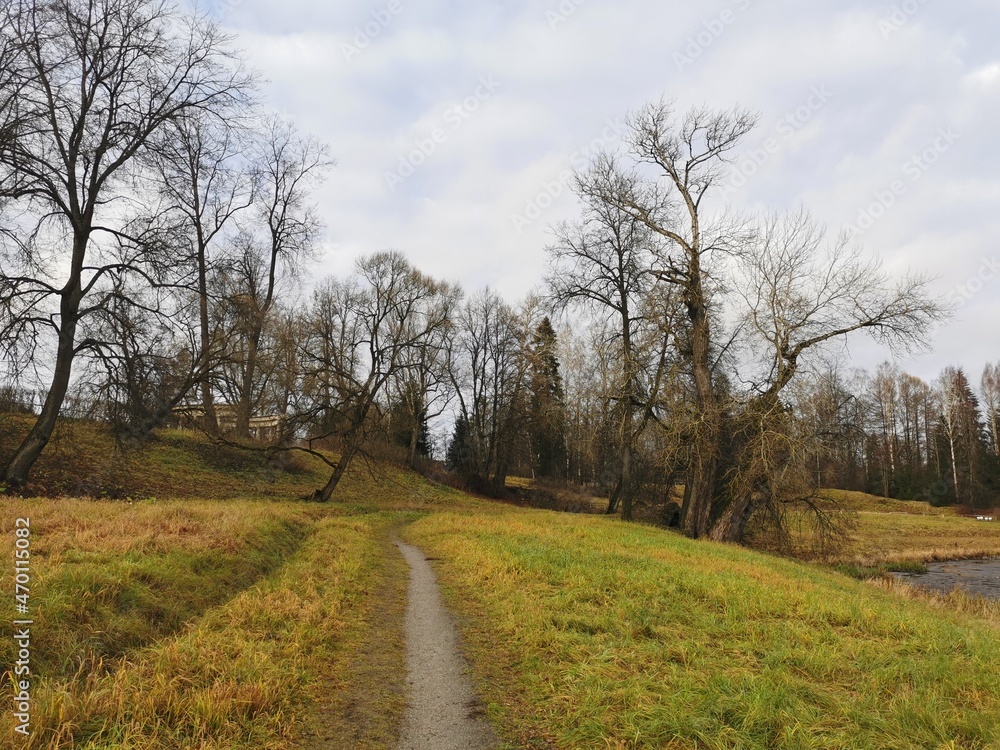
[233,624]
[82,460]
[883,530]
[588,633]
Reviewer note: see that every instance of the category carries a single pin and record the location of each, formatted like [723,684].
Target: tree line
[894,434]
[156,222]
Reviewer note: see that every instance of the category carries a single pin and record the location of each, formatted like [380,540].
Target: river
[975,576]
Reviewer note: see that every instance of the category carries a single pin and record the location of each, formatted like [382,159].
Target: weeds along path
[363,696]
[444,712]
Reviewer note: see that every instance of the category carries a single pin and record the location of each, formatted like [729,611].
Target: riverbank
[979,577]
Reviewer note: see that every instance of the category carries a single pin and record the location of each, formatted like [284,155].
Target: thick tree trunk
[499,482]
[15,474]
[348,454]
[731,524]
[702,479]
[705,461]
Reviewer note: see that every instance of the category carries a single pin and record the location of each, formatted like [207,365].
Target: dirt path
[444,712]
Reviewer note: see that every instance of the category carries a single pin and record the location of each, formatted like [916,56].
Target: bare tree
[422,386]
[362,332]
[683,161]
[607,262]
[283,232]
[800,293]
[489,368]
[991,403]
[834,417]
[207,181]
[799,297]
[589,373]
[96,83]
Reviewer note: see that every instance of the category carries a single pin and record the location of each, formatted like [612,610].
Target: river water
[975,576]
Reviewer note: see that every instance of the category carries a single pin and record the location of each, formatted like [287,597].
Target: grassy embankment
[215,611]
[894,532]
[590,634]
[239,623]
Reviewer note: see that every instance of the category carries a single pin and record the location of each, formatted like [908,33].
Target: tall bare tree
[675,165]
[800,296]
[801,292]
[96,82]
[361,333]
[606,262]
[990,384]
[282,233]
[421,387]
[207,181]
[489,369]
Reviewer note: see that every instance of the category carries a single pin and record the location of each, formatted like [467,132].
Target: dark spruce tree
[459,457]
[410,430]
[969,466]
[547,405]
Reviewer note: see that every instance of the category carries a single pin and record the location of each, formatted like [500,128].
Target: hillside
[268,622]
[82,459]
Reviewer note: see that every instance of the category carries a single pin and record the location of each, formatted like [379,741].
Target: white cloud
[891,93]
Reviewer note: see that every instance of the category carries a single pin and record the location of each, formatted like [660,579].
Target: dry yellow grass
[241,674]
[898,537]
[209,622]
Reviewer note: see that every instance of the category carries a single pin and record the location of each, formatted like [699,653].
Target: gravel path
[444,712]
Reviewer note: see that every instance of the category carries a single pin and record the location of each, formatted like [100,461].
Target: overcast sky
[454,122]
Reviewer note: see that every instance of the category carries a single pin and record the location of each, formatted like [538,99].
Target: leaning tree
[802,292]
[97,83]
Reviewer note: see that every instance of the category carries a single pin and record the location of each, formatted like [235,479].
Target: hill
[268,622]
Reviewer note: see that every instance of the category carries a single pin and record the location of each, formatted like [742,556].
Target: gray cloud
[898,73]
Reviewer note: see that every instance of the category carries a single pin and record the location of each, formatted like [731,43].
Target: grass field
[244,618]
[885,531]
[591,634]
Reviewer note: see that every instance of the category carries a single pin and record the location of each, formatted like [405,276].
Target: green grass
[588,633]
[235,616]
[211,622]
